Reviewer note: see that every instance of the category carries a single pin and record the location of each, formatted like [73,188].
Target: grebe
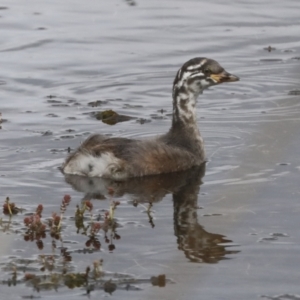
[179,149]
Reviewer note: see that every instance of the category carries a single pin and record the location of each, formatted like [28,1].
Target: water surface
[236,236]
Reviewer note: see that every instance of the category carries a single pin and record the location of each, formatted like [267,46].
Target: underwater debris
[110,117]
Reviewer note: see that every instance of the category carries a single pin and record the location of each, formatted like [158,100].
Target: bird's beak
[224,77]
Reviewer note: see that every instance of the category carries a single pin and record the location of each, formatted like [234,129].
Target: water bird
[181,148]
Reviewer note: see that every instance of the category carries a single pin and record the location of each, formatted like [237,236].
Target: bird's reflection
[197,244]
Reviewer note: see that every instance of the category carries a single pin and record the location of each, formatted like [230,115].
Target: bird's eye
[207,72]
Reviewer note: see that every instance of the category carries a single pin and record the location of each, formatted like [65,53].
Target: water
[127,56]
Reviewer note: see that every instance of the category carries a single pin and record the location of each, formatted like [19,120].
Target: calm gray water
[126,54]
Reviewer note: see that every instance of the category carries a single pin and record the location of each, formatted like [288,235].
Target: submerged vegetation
[110,117]
[56,241]
[54,268]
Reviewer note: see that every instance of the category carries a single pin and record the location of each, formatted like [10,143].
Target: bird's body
[179,149]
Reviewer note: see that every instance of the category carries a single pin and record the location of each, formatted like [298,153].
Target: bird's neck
[184,109]
[184,132]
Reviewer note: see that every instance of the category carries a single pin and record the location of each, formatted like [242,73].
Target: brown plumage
[179,149]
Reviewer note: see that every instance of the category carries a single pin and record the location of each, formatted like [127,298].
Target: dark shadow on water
[197,244]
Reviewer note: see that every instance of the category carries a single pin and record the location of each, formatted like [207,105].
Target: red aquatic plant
[10,208]
[36,229]
[55,222]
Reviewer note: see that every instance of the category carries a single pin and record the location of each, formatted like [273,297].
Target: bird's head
[200,73]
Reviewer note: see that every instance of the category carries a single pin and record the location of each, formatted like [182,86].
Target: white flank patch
[88,165]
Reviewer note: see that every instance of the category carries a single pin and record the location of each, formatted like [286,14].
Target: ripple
[62,72]
[29,45]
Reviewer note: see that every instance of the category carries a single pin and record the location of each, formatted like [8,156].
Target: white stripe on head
[193,67]
[196,74]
